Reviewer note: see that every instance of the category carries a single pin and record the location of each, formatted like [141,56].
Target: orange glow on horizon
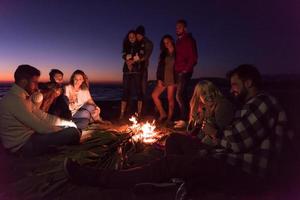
[95,76]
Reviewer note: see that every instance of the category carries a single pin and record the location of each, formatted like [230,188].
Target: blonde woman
[84,109]
[208,105]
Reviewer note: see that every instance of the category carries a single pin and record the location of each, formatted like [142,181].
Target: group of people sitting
[218,145]
[72,101]
[34,117]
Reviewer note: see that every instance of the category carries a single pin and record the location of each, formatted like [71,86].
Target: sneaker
[80,174]
[180,124]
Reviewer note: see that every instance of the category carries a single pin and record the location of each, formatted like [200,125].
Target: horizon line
[120,81]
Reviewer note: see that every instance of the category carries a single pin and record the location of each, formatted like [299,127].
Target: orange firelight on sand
[144,132]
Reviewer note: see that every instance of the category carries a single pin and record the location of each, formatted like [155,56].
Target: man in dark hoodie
[147,46]
[186,59]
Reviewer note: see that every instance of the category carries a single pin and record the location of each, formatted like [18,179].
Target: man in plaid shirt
[255,137]
[244,152]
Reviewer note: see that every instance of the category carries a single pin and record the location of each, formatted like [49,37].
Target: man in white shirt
[26,129]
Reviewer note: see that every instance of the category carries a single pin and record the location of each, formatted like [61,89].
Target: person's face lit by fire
[132,37]
[32,85]
[58,78]
[78,80]
[180,29]
[238,88]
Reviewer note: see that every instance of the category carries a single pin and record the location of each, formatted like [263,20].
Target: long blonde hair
[203,88]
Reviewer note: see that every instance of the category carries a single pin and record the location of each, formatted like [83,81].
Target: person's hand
[128,56]
[136,58]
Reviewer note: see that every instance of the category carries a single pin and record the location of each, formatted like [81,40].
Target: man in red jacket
[186,59]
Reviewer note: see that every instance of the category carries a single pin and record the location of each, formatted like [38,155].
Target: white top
[76,99]
[20,118]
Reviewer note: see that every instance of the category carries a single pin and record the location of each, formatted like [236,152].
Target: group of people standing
[137,49]
[175,69]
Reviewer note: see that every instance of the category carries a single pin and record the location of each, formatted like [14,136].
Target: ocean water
[100,92]
[3,89]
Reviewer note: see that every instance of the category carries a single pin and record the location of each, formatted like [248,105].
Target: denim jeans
[183,80]
[83,116]
[43,143]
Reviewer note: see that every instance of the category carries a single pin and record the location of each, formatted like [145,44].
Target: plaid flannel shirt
[255,137]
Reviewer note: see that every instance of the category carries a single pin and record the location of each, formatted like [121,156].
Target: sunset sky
[87,35]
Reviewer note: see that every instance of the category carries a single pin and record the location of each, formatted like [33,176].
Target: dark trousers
[201,171]
[183,80]
[178,144]
[131,82]
[39,144]
[144,80]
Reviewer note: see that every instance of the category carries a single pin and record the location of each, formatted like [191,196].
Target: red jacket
[186,54]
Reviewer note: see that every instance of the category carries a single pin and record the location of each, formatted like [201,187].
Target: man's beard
[30,91]
[241,97]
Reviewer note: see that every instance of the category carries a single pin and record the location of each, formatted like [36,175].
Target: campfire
[144,132]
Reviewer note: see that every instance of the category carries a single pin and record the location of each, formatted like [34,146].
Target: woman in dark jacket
[132,53]
[165,78]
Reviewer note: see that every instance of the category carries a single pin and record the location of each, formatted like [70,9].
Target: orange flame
[144,132]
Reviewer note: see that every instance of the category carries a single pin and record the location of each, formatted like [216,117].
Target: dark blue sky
[88,35]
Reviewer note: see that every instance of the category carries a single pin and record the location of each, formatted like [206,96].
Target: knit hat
[140,30]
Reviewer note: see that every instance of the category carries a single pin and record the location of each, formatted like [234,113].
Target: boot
[139,107]
[123,108]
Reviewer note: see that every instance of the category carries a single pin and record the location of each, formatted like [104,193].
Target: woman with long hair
[132,53]
[165,78]
[84,109]
[208,105]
